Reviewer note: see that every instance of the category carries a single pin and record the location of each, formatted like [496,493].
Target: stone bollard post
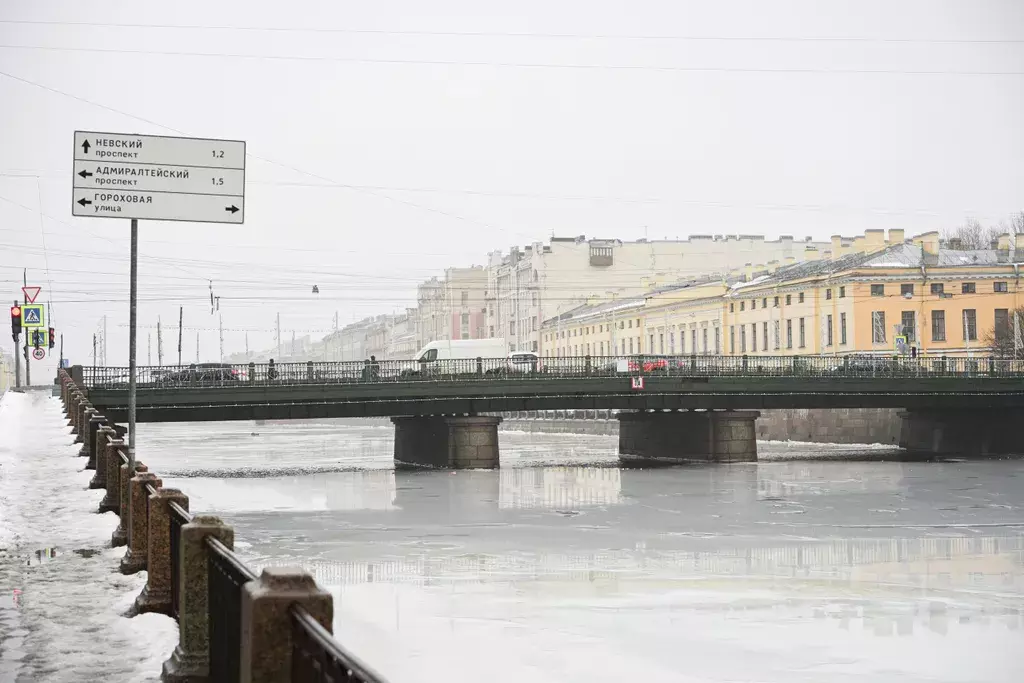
[190,662]
[88,431]
[134,559]
[120,535]
[112,477]
[99,457]
[266,643]
[156,595]
[96,423]
[76,402]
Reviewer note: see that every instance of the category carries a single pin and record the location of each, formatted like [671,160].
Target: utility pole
[181,314]
[159,343]
[247,346]
[197,347]
[105,338]
[94,348]
[220,323]
[28,369]
[149,349]
[17,358]
[293,344]
[61,363]
[278,334]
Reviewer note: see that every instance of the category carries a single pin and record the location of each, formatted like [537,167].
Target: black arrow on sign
[83,201]
[85,146]
[232,208]
[84,174]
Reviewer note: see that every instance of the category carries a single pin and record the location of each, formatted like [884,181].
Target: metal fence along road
[483,369]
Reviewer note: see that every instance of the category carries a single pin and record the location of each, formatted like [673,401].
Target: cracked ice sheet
[61,595]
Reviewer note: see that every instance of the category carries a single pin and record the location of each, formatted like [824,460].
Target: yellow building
[866,295]
[869,294]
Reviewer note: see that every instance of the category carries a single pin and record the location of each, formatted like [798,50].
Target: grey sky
[455,146]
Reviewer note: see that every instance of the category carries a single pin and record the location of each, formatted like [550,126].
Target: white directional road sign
[158,178]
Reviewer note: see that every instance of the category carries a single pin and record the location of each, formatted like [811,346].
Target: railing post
[112,475]
[309,371]
[134,559]
[191,659]
[120,535]
[252,373]
[266,655]
[76,375]
[98,457]
[156,595]
[72,411]
[85,412]
[479,365]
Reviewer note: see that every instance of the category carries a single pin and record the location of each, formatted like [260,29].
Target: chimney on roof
[1003,242]
[874,240]
[896,235]
[858,245]
[1018,247]
[929,242]
[837,246]
[956,243]
[810,253]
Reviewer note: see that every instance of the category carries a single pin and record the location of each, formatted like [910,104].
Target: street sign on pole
[31,293]
[154,177]
[33,315]
[39,354]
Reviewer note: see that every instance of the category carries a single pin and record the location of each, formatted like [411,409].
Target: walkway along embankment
[234,625]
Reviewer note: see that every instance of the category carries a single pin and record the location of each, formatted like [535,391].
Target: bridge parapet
[233,624]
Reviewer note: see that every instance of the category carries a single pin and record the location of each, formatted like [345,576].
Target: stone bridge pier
[447,442]
[668,438]
[965,433]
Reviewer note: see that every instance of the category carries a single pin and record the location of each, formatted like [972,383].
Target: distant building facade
[528,286]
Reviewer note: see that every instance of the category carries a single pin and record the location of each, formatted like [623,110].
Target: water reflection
[563,488]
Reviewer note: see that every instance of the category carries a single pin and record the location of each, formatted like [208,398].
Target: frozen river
[563,567]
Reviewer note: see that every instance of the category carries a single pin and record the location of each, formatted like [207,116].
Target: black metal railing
[179,517]
[318,658]
[227,576]
[484,369]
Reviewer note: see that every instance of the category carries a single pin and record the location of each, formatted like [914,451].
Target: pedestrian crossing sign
[39,338]
[33,315]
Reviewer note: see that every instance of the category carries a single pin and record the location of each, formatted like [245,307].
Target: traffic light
[37,338]
[52,342]
[15,322]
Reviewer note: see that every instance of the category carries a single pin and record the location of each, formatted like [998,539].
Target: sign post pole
[132,308]
[17,359]
[28,371]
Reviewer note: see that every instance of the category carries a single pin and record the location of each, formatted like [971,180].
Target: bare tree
[1006,339]
[971,234]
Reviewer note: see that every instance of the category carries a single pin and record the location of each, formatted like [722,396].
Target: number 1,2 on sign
[218,154]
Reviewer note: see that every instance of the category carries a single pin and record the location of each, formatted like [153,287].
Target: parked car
[523,362]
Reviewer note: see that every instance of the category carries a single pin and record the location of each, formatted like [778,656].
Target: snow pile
[61,596]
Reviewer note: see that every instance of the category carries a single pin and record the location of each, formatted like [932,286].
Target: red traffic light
[15,311]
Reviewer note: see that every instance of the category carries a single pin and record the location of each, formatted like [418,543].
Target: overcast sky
[388,140]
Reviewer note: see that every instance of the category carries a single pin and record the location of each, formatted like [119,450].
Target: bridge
[673,409]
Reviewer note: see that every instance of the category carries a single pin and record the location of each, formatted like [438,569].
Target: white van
[461,349]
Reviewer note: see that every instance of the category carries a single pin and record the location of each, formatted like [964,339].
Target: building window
[907,290]
[631,324]
[789,299]
[630,345]
[718,341]
[753,337]
[776,333]
[800,298]
[764,302]
[671,342]
[967,288]
[842,292]
[743,338]
[764,336]
[661,343]
[704,335]
[877,290]
[842,328]
[937,288]
[743,305]
[1001,331]
[909,322]
[776,303]
[999,287]
[789,334]
[732,339]
[650,348]
[939,326]
[732,308]
[465,298]
[828,294]
[753,304]
[693,342]
[970,324]
[877,327]
[803,336]
[828,330]
[602,348]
